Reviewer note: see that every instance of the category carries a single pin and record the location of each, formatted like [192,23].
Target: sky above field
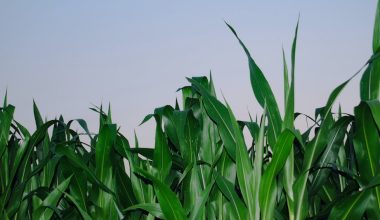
[71,55]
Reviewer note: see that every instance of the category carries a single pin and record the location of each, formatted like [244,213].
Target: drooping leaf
[263,93]
[152,208]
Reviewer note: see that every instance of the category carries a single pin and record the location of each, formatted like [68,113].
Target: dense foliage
[201,166]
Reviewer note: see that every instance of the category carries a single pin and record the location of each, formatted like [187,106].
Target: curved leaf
[152,208]
[263,93]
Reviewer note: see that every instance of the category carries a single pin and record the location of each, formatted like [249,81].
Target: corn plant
[201,166]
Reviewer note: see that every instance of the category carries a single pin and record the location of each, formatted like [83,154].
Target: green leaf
[78,189]
[146,152]
[244,168]
[268,181]
[219,114]
[83,124]
[370,81]
[103,148]
[17,160]
[227,188]
[313,149]
[169,203]
[289,99]
[166,115]
[366,143]
[43,212]
[199,205]
[374,105]
[286,77]
[258,164]
[5,103]
[263,93]
[152,208]
[330,154]
[192,187]
[37,115]
[23,130]
[35,139]
[82,211]
[162,158]
[188,130]
[123,185]
[140,191]
[76,161]
[351,207]
[104,170]
[288,177]
[376,30]
[6,117]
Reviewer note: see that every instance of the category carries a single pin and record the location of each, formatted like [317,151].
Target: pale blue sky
[70,54]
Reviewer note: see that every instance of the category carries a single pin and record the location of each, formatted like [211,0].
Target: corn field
[201,166]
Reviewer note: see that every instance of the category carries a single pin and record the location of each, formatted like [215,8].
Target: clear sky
[68,55]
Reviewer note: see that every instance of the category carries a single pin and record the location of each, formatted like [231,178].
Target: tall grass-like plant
[200,166]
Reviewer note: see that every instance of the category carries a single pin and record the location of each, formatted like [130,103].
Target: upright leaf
[288,177]
[313,149]
[244,168]
[104,170]
[370,81]
[376,31]
[268,182]
[162,158]
[258,164]
[366,143]
[37,115]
